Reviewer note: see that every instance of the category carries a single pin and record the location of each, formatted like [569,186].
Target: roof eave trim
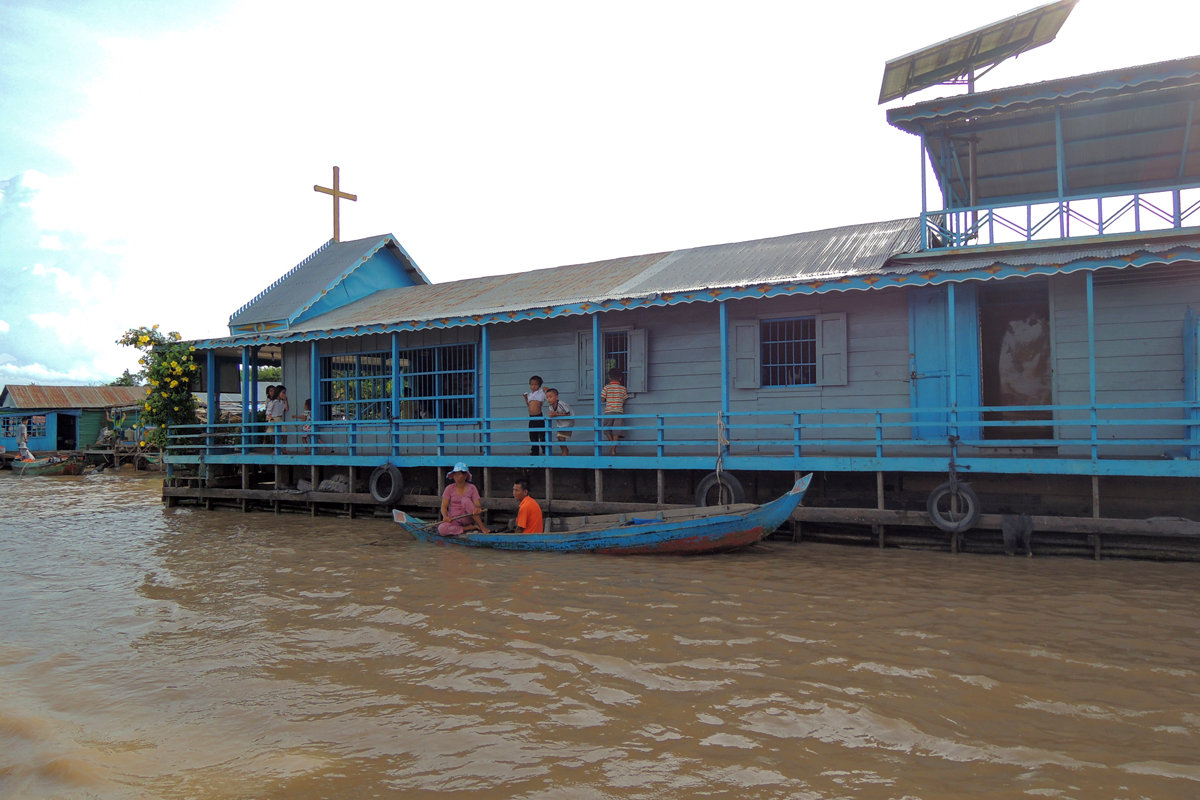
[930,277]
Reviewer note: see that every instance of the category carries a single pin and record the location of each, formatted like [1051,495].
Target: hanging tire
[387,485]
[731,491]
[953,511]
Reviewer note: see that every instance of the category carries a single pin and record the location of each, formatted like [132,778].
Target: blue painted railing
[1096,214]
[1104,439]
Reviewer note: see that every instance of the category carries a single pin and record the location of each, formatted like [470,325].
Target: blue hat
[458,467]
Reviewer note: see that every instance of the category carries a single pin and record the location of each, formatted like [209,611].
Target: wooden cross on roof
[338,194]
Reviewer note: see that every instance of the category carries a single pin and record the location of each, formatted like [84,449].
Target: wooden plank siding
[877,361]
[1139,358]
[1139,320]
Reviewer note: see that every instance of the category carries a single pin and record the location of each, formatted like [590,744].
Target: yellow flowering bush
[165,362]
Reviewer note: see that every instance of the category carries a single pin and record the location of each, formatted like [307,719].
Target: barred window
[435,383]
[356,386]
[438,382]
[788,349]
[615,353]
[35,426]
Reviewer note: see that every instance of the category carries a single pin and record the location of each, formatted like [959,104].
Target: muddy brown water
[171,653]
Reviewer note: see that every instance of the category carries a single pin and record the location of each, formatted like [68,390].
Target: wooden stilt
[879,529]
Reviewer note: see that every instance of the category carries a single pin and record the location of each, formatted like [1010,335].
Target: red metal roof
[31,396]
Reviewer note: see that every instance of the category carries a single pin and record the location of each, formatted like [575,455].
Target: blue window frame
[435,383]
[438,382]
[34,425]
[788,351]
[356,386]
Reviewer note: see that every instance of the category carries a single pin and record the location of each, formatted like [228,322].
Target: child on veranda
[613,397]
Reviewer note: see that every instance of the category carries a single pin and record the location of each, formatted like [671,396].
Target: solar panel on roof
[982,47]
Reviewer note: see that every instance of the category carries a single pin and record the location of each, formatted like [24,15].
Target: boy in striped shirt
[613,396]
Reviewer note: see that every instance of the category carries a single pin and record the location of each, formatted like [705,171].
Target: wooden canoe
[676,531]
[52,465]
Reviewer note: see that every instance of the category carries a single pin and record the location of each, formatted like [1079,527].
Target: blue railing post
[796,438]
[660,436]
[879,434]
[441,438]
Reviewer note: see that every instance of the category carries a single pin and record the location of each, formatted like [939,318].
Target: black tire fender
[731,488]
[938,507]
[387,485]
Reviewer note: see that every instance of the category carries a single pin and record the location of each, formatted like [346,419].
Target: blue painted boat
[676,531]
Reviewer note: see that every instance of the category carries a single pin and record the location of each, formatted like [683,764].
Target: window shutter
[636,381]
[583,340]
[831,350]
[745,355]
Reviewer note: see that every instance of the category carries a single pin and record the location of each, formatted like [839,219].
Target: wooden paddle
[438,522]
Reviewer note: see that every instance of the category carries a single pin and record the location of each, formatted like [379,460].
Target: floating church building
[1028,343]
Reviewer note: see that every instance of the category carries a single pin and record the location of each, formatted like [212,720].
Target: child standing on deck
[613,397]
[537,424]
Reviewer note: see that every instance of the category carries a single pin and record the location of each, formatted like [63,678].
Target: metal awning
[1130,129]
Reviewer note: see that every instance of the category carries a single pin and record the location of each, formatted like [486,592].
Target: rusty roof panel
[47,397]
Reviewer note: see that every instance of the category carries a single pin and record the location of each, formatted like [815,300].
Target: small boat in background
[676,531]
[51,465]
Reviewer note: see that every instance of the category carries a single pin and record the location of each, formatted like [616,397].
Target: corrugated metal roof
[1057,255]
[815,255]
[1131,128]
[1125,81]
[306,281]
[47,397]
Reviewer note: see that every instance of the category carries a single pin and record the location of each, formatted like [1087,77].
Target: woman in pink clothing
[460,504]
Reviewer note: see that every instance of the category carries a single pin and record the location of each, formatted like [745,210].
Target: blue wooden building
[61,418]
[1034,328]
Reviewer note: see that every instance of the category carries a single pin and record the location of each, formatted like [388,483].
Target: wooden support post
[797,526]
[662,487]
[245,486]
[549,486]
[879,529]
[599,486]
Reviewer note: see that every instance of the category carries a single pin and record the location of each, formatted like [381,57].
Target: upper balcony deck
[1096,155]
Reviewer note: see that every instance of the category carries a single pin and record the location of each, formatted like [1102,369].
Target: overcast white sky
[157,162]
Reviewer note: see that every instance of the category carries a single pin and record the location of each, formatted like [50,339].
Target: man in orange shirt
[529,513]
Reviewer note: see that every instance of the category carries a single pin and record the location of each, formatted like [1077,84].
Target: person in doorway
[537,424]
[529,513]
[560,419]
[613,397]
[461,509]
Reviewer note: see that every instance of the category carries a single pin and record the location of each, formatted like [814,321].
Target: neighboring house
[1042,318]
[63,417]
